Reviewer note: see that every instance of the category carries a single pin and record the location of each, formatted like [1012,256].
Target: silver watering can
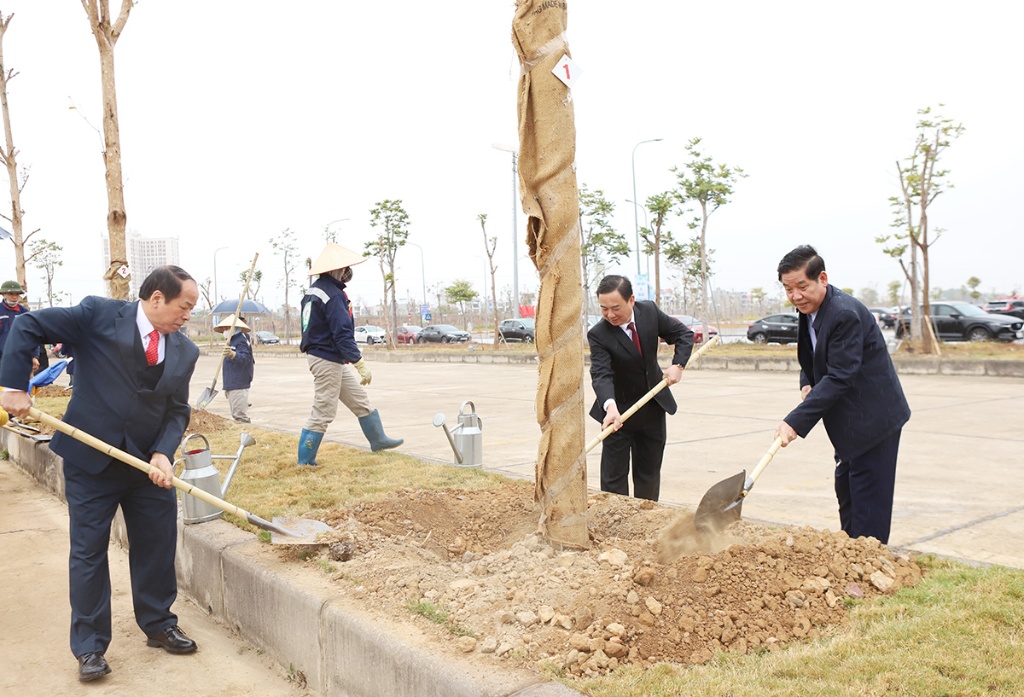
[200,473]
[466,439]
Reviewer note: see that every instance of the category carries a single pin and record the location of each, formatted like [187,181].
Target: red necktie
[636,337]
[153,350]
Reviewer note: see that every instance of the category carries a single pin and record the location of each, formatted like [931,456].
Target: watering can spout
[439,422]
[466,439]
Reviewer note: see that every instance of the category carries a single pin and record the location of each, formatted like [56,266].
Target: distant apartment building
[144,255]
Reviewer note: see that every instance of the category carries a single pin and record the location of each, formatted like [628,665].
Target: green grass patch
[438,616]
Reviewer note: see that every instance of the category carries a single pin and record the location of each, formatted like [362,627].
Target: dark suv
[1011,307]
[517,330]
[960,321]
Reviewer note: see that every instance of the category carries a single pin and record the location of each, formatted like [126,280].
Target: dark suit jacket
[855,390]
[617,370]
[109,401]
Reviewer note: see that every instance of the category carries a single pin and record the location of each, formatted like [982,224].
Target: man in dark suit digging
[847,380]
[623,367]
[131,392]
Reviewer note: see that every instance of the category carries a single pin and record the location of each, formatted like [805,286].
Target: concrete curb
[990,367]
[301,621]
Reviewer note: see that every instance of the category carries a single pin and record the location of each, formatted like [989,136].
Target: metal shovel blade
[715,511]
[205,398]
[298,531]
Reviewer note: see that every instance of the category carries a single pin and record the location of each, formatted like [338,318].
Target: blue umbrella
[249,307]
[46,377]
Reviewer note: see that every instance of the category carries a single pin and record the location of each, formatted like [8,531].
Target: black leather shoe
[92,666]
[173,640]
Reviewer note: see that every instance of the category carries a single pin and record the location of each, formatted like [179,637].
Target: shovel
[210,392]
[285,530]
[724,501]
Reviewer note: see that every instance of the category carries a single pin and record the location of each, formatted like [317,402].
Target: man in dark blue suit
[623,368]
[847,380]
[131,391]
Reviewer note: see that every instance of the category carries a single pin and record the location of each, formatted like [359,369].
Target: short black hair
[612,283]
[166,279]
[803,257]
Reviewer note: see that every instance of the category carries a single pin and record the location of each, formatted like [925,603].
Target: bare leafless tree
[107,34]
[8,155]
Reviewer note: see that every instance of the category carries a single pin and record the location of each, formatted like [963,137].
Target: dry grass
[268,482]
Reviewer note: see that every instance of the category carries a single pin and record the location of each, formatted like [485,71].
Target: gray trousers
[334,382]
[238,400]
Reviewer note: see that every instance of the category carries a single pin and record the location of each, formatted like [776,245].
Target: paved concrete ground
[34,617]
[958,493]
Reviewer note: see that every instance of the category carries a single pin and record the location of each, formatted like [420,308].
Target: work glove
[229,353]
[364,371]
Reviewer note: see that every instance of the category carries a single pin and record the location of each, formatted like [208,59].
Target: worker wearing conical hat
[239,367]
[328,340]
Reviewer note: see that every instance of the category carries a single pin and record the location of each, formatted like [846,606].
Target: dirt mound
[493,586]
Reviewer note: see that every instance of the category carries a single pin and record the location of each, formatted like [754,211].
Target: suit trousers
[864,488]
[151,520]
[334,382]
[643,438]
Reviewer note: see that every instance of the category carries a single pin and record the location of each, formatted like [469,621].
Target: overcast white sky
[242,118]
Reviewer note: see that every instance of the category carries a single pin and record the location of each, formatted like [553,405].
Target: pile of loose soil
[474,555]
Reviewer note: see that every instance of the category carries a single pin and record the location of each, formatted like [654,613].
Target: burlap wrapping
[547,152]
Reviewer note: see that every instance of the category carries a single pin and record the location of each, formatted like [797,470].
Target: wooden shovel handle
[231,332]
[135,462]
[649,396]
[765,459]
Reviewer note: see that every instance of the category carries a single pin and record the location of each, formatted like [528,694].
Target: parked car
[267,338]
[885,317]
[517,330]
[1011,306]
[407,334]
[442,333]
[960,321]
[697,327]
[369,334]
[781,329]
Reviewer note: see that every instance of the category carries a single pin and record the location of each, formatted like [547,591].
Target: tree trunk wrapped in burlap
[547,152]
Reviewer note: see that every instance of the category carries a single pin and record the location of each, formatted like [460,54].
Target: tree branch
[126,7]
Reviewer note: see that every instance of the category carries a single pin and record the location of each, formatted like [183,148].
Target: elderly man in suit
[131,391]
[847,380]
[624,367]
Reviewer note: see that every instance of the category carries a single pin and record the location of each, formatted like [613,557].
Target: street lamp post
[423,276]
[515,227]
[327,227]
[646,223]
[216,294]
[636,218]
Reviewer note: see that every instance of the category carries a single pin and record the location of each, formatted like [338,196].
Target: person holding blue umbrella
[239,367]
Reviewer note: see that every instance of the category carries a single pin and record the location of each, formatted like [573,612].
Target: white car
[369,334]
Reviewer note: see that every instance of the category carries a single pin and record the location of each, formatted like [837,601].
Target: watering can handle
[190,437]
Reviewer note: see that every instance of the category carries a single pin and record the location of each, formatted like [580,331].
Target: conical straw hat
[225,324]
[334,257]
